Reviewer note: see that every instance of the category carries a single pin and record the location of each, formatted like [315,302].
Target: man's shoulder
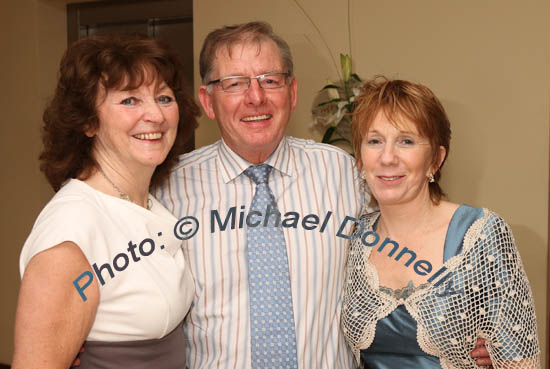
[198,156]
[310,146]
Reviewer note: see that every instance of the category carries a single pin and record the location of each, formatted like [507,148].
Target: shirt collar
[233,165]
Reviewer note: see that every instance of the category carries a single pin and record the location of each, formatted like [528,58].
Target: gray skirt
[165,353]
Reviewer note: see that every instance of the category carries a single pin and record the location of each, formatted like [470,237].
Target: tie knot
[258,173]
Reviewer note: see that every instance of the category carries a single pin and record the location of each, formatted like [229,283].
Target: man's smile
[256,118]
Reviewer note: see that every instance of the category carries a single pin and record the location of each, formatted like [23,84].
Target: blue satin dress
[395,344]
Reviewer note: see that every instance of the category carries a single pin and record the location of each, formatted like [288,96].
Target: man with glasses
[267,296]
[239,319]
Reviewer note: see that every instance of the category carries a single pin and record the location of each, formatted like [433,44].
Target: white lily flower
[332,92]
[337,117]
[334,112]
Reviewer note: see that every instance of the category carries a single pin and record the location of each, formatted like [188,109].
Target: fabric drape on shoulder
[493,301]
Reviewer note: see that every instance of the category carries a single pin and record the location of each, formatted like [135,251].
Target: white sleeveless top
[152,287]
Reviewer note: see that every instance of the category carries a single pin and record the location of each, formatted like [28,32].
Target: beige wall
[33,37]
[487,61]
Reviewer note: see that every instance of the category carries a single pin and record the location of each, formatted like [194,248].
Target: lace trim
[494,301]
[404,292]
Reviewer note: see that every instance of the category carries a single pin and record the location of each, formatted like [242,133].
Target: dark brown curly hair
[413,101]
[114,62]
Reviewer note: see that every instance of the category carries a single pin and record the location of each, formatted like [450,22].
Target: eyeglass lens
[267,81]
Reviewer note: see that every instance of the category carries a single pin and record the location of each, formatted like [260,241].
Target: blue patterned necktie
[272,334]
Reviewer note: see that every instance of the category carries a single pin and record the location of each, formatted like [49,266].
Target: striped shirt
[308,178]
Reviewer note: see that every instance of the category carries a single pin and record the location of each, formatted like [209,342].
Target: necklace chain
[383,229]
[122,194]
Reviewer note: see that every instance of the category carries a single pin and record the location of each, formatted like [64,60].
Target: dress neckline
[118,200]
[452,223]
[408,290]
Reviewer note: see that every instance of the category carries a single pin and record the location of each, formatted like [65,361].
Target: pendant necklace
[122,194]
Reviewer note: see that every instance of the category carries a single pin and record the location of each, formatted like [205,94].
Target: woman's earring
[364,184]
[431,178]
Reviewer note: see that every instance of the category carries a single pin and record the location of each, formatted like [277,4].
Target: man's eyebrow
[272,71]
[244,75]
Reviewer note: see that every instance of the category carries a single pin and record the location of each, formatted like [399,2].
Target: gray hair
[228,36]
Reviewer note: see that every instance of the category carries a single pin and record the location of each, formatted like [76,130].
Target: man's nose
[255,95]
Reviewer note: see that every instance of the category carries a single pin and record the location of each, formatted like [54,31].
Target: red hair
[417,103]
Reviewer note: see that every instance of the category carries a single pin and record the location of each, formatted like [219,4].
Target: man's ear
[293,93]
[206,101]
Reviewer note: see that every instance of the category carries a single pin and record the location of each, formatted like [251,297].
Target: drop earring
[364,184]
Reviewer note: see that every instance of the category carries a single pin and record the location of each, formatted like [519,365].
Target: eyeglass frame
[257,78]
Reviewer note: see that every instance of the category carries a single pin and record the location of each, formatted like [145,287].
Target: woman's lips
[148,136]
[390,179]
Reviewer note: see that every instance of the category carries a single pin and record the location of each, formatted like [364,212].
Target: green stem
[349,30]
[346,90]
[340,140]
[320,35]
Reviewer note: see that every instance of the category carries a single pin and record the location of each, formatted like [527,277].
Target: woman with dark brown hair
[102,265]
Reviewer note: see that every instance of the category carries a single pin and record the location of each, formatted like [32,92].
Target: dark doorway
[169,20]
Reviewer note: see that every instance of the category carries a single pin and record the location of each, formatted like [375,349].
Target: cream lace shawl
[496,302]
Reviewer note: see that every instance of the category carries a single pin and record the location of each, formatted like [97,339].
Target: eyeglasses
[267,81]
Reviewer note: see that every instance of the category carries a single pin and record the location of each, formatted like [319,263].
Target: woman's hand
[481,354]
[52,320]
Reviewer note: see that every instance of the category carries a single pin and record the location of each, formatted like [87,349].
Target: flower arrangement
[335,114]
